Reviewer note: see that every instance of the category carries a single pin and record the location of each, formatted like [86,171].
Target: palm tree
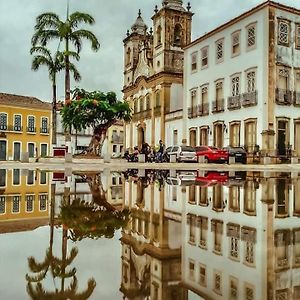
[49,27]
[55,64]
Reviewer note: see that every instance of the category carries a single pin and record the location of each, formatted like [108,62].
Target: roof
[243,16]
[23,101]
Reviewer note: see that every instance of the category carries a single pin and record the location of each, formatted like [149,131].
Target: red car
[211,178]
[212,154]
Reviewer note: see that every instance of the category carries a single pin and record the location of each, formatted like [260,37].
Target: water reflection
[216,235]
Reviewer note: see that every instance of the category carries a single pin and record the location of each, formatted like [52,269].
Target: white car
[182,153]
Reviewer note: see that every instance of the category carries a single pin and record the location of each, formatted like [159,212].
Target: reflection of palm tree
[58,268]
[93,219]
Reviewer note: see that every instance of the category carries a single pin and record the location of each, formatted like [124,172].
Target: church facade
[153,75]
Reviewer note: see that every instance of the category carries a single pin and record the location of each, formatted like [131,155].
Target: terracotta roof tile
[23,101]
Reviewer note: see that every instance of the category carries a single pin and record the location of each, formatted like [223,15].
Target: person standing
[161,149]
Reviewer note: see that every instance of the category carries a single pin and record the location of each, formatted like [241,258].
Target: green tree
[55,64]
[97,110]
[50,27]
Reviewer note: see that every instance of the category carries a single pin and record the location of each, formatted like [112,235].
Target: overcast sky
[102,70]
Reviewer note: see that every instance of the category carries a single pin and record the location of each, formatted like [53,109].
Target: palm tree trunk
[54,121]
[67,93]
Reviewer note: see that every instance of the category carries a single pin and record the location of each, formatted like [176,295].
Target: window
[148,103]
[29,203]
[17,123]
[220,50]
[191,270]
[177,35]
[249,252]
[194,61]
[2,205]
[175,137]
[202,275]
[43,177]
[204,94]
[158,35]
[193,98]
[297,38]
[30,177]
[283,33]
[217,282]
[250,135]
[16,204]
[157,100]
[192,221]
[233,289]
[251,82]
[114,180]
[249,292]
[114,148]
[128,55]
[235,43]
[44,127]
[31,149]
[135,106]
[234,247]
[3,121]
[204,57]
[43,202]
[30,124]
[235,86]
[16,176]
[2,177]
[44,150]
[217,229]
[284,75]
[141,101]
[249,198]
[202,224]
[251,36]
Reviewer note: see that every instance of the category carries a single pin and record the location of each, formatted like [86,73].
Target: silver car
[181,153]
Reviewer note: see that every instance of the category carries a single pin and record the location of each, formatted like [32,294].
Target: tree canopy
[94,109]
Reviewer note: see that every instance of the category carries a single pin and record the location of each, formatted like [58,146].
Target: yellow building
[24,127]
[24,199]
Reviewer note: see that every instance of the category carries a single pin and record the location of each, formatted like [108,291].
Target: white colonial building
[242,82]
[242,241]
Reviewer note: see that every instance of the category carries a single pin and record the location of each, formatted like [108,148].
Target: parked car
[211,178]
[212,154]
[182,153]
[182,178]
[239,153]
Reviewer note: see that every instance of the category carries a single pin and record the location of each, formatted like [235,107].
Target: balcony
[31,129]
[249,99]
[193,112]
[234,102]
[282,262]
[296,98]
[142,115]
[117,139]
[157,110]
[283,97]
[218,106]
[44,130]
[3,127]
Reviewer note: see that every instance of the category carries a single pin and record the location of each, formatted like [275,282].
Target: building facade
[24,127]
[242,82]
[153,75]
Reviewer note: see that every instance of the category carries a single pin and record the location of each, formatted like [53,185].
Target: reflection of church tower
[153,72]
[151,251]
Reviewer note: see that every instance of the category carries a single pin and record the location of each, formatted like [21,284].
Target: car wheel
[206,160]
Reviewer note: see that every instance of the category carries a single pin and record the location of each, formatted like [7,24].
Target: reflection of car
[211,178]
[237,178]
[182,178]
[239,153]
[212,154]
[182,153]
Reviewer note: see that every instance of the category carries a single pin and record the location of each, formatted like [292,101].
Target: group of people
[152,154]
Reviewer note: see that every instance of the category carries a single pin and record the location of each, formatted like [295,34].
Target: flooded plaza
[149,234]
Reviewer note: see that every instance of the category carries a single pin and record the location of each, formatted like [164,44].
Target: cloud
[102,70]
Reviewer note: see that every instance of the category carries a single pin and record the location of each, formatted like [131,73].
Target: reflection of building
[242,241]
[151,244]
[242,82]
[24,127]
[153,71]
[24,199]
[113,145]
[113,187]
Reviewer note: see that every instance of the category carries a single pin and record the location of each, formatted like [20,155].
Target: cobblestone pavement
[120,165]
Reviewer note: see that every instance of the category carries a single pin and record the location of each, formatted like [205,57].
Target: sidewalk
[120,165]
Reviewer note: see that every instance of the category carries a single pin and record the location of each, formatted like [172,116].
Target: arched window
[135,106]
[177,35]
[158,35]
[128,56]
[141,104]
[148,103]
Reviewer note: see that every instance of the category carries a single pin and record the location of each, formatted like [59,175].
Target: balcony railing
[31,129]
[218,106]
[11,128]
[142,115]
[157,110]
[297,98]
[234,102]
[193,112]
[283,97]
[249,99]
[44,130]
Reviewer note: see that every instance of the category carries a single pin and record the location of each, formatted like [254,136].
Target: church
[153,75]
